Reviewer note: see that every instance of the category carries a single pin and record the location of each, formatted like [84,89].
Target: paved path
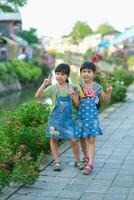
[113,176]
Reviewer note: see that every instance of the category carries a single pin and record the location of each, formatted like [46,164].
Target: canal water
[13,100]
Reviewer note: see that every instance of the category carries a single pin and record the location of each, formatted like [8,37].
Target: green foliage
[119,92]
[6,8]
[119,81]
[5,155]
[130,61]
[123,76]
[105,28]
[22,143]
[4,147]
[25,169]
[26,71]
[80,31]
[5,177]
[17,2]
[6,71]
[30,36]
[27,126]
[120,61]
[10,5]
[88,54]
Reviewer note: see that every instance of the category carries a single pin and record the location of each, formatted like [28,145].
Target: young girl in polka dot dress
[87,122]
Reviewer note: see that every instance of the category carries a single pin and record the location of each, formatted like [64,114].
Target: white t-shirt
[21,56]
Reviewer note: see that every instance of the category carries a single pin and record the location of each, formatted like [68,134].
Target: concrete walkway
[113,175]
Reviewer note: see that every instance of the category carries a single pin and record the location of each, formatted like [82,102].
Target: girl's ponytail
[67,81]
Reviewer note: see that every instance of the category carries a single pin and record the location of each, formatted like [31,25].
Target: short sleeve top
[50,92]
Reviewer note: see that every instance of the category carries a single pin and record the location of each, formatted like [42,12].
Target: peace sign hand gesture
[48,80]
[71,91]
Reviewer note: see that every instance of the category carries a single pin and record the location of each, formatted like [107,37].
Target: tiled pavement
[113,175]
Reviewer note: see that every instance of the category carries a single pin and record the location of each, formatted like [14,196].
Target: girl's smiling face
[61,77]
[87,75]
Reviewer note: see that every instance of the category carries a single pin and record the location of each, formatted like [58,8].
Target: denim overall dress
[87,122]
[60,123]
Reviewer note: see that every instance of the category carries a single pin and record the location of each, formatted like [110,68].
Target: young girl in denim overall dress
[87,122]
[60,123]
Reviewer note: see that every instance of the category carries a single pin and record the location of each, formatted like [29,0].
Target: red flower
[96,57]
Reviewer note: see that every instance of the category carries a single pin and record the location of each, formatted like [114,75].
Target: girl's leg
[91,153]
[83,143]
[53,145]
[91,149]
[54,150]
[75,148]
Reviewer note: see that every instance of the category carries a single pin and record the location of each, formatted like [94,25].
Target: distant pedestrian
[87,122]
[60,124]
[24,55]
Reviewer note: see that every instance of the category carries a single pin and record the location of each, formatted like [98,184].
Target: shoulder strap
[80,89]
[57,90]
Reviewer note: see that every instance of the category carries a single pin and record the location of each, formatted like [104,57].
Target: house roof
[111,32]
[10,17]
[19,40]
[129,33]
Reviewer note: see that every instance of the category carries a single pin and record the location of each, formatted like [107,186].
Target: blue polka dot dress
[87,122]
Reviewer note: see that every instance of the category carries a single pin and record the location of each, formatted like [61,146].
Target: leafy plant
[119,92]
[26,71]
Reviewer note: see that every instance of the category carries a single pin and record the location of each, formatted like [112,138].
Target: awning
[12,47]
[104,44]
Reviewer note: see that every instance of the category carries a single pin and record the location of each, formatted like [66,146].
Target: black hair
[88,65]
[64,68]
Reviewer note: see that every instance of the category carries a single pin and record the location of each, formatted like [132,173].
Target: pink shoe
[88,169]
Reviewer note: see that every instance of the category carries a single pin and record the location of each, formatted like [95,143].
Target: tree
[105,28]
[11,5]
[80,31]
[30,36]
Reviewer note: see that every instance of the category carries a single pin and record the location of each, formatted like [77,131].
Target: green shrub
[27,126]
[119,92]
[130,61]
[88,54]
[26,71]
[22,143]
[6,71]
[124,76]
[119,81]
[25,169]
[5,158]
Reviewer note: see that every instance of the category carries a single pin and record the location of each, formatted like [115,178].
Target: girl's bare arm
[39,93]
[74,96]
[107,96]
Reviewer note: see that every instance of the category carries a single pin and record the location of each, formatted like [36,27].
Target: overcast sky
[57,17]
